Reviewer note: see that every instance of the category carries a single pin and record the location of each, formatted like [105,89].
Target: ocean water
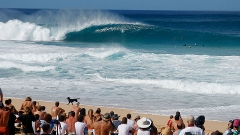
[156,62]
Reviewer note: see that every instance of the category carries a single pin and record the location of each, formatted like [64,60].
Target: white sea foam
[18,30]
[25,68]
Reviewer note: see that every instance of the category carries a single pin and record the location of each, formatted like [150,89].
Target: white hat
[144,122]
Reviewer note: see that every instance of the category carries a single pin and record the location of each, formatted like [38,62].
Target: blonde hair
[90,114]
[28,99]
[27,109]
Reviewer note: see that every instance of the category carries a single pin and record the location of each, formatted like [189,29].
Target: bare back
[103,127]
[175,122]
[71,124]
[4,117]
[27,103]
[41,114]
[88,120]
[56,111]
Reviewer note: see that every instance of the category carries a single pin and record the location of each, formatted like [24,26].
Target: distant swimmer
[203,45]
[182,38]
[218,46]
[184,45]
[189,46]
[195,44]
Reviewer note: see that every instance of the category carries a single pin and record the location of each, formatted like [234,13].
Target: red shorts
[3,131]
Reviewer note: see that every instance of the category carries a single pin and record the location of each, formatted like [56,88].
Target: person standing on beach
[115,120]
[39,112]
[63,127]
[56,110]
[44,112]
[1,95]
[71,122]
[80,125]
[105,126]
[97,115]
[11,121]
[76,109]
[89,119]
[177,120]
[28,102]
[191,129]
[4,117]
[129,121]
[124,129]
[27,118]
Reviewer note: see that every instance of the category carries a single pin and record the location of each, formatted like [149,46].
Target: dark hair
[61,118]
[124,120]
[216,133]
[43,108]
[111,113]
[46,127]
[200,121]
[83,112]
[178,113]
[36,116]
[176,117]
[57,103]
[20,113]
[48,118]
[80,118]
[7,102]
[10,100]
[72,113]
[39,108]
[129,116]
[179,126]
[98,111]
[34,102]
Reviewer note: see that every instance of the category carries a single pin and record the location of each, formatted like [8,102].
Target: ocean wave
[24,67]
[181,85]
[51,25]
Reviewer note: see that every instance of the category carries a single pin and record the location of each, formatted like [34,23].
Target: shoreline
[158,120]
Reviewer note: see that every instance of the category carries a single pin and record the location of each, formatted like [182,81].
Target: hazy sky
[219,5]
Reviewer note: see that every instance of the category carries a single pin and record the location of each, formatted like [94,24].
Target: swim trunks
[3,131]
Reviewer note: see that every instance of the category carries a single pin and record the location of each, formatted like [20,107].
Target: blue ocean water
[156,62]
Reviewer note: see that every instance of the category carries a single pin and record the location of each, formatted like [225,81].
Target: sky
[206,5]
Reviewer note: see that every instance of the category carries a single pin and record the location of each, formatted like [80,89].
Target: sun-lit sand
[159,121]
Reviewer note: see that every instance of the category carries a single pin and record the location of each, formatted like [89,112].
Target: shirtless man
[27,102]
[40,113]
[105,126]
[71,123]
[76,109]
[55,111]
[4,117]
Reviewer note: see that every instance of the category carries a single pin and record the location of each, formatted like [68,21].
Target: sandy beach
[159,121]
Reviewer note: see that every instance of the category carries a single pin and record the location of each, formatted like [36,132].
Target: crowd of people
[32,118]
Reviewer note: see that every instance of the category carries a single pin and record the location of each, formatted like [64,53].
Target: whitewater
[139,57]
